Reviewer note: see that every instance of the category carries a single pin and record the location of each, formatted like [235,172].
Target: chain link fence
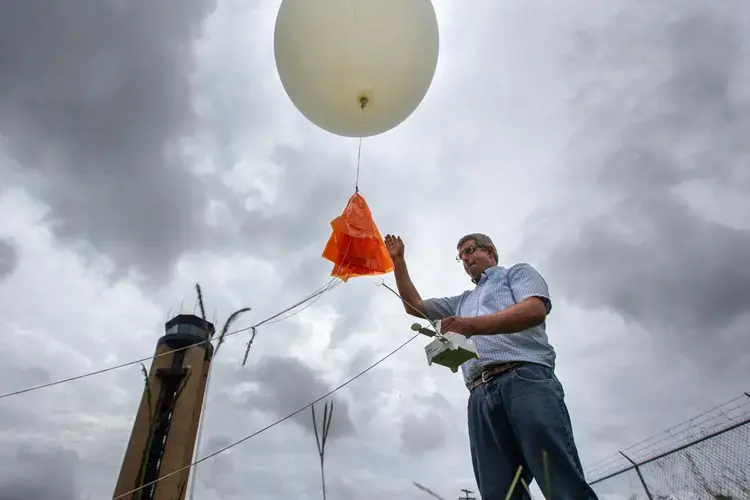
[705,458]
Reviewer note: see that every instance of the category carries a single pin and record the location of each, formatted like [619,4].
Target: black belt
[492,372]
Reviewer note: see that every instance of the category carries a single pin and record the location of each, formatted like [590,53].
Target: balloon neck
[363,100]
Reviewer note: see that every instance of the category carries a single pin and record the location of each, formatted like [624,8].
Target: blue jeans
[513,419]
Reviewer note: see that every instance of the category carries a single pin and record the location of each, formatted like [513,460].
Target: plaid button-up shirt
[498,289]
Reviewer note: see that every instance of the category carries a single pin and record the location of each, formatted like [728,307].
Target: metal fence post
[640,476]
[731,426]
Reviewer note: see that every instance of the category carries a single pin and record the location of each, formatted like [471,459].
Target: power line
[330,286]
[320,291]
[274,424]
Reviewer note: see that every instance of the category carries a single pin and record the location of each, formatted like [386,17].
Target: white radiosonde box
[449,349]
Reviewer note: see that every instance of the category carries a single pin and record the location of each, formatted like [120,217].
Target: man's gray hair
[481,240]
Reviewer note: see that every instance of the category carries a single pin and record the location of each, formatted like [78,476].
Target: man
[516,413]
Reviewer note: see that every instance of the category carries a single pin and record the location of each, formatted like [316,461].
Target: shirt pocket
[496,296]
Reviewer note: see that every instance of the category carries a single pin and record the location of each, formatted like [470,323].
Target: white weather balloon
[336,56]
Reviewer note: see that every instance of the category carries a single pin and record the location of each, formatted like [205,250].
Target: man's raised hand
[395,246]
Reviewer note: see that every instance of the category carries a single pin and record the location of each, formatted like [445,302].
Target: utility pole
[466,495]
[166,424]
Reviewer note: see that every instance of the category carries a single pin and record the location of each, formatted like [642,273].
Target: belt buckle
[484,377]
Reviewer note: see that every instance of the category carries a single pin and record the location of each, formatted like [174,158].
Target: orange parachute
[355,246]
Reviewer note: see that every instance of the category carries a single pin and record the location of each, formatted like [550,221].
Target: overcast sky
[145,146]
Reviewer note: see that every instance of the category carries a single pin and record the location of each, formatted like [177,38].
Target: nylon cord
[359,159]
[363,102]
[320,291]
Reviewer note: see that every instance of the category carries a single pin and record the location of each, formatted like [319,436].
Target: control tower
[166,425]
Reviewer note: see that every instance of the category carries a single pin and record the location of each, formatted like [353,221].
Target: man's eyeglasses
[468,251]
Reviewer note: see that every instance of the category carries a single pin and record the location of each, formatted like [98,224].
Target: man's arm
[532,306]
[433,309]
[517,318]
[413,303]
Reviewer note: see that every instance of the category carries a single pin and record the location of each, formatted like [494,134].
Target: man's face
[476,259]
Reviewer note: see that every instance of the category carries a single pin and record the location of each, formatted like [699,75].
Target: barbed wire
[703,423]
[270,320]
[708,422]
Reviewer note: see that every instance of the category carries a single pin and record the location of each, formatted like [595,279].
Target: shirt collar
[487,274]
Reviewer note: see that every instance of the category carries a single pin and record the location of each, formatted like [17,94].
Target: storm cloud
[94,100]
[43,474]
[658,162]
[286,385]
[8,259]
[149,146]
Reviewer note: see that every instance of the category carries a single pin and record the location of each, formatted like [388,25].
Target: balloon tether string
[362,104]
